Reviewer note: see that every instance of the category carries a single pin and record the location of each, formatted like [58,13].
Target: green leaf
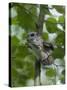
[14,41]
[24,35]
[58,52]
[60,9]
[62,78]
[52,28]
[61,19]
[51,25]
[25,18]
[50,72]
[45,9]
[45,36]
[22,51]
[14,21]
[60,40]
[63,72]
[51,20]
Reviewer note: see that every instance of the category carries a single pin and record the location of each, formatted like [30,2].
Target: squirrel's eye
[32,34]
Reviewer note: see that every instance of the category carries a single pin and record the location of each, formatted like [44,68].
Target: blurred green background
[22,19]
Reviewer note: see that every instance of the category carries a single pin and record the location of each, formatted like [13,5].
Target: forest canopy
[49,21]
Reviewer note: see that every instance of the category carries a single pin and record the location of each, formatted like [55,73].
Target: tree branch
[39,25]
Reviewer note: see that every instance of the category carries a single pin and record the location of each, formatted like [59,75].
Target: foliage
[51,72]
[22,60]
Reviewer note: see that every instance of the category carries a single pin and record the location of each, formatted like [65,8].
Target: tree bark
[39,24]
